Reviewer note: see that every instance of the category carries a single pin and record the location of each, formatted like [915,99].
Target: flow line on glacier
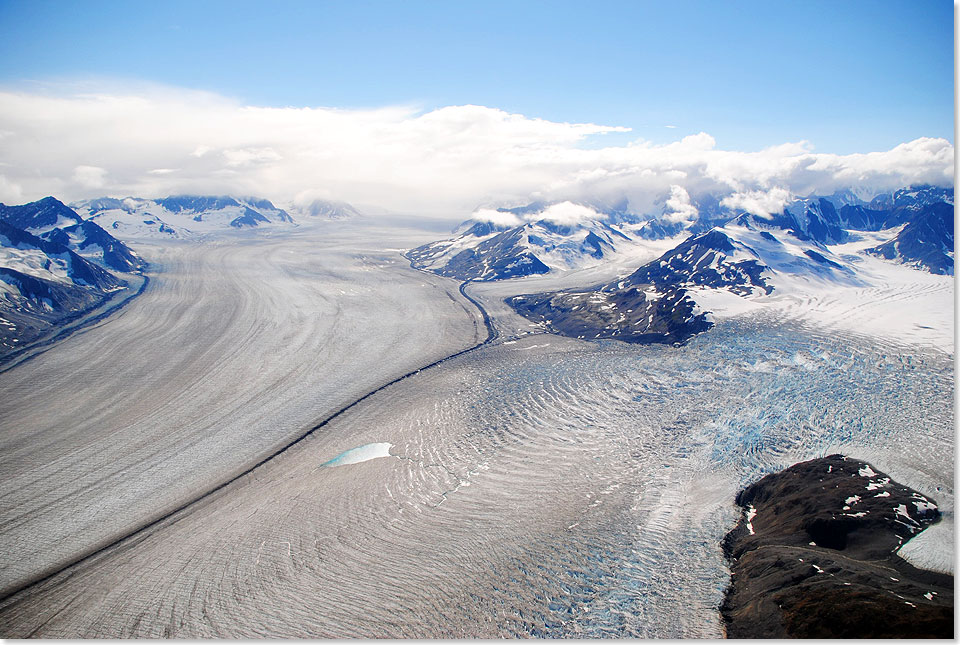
[41,577]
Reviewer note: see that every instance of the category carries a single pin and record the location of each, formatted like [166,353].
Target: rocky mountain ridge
[752,256]
[54,267]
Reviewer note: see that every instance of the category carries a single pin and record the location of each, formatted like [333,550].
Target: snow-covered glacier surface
[537,486]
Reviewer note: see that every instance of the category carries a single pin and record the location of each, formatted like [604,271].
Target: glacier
[541,485]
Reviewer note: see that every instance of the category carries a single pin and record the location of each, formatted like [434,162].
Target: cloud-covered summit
[159,141]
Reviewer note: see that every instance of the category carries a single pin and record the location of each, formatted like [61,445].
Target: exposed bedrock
[632,315]
[814,556]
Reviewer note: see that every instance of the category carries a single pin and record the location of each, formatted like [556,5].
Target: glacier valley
[165,467]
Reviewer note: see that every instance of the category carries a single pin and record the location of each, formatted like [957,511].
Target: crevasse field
[534,486]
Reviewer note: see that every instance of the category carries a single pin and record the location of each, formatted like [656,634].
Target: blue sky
[446,107]
[846,76]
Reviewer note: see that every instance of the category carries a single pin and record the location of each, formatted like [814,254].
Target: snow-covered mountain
[539,238]
[40,216]
[488,252]
[656,303]
[926,241]
[179,216]
[328,209]
[54,266]
[536,239]
[89,240]
[45,259]
[829,220]
[811,248]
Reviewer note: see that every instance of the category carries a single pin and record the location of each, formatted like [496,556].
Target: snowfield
[885,300]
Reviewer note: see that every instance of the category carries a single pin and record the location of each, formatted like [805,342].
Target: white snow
[872,297]
[520,349]
[723,304]
[146,219]
[867,471]
[751,513]
[36,263]
[902,511]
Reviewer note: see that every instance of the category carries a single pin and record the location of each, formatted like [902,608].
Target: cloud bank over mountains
[446,162]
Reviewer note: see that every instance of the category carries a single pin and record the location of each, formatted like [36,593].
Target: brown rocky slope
[814,556]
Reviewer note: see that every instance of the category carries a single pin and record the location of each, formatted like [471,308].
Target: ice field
[535,486]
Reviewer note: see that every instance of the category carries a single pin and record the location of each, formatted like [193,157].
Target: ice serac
[814,556]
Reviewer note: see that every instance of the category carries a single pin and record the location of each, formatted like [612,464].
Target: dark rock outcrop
[631,315]
[814,556]
[704,260]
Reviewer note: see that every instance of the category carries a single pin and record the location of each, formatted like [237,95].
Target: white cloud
[678,207]
[568,214]
[250,156]
[442,162]
[561,214]
[498,218]
[162,171]
[10,193]
[89,176]
[758,202]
